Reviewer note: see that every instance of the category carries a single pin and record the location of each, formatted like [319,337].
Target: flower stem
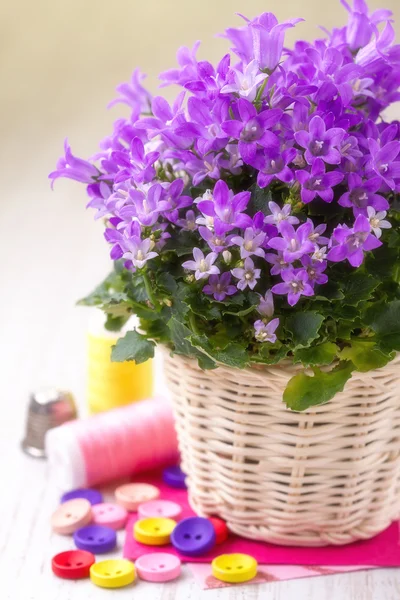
[149,291]
[260,91]
[193,324]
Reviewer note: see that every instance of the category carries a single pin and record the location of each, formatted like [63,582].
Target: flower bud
[227,256]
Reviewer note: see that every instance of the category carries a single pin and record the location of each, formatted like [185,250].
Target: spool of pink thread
[111,445]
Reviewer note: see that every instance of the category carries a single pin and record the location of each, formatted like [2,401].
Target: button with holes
[72,564]
[93,496]
[174,477]
[95,538]
[193,536]
[110,515]
[154,531]
[160,508]
[131,495]
[113,573]
[234,568]
[221,530]
[71,515]
[158,567]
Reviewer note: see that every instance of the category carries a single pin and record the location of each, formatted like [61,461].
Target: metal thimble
[47,408]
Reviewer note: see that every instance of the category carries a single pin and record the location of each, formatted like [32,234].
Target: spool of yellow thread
[111,384]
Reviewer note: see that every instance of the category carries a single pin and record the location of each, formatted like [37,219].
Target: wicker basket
[330,475]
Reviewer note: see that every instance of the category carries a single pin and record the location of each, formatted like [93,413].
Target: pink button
[160,508]
[158,567]
[110,515]
[71,515]
[131,495]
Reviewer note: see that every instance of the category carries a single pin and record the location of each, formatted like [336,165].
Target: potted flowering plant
[254,227]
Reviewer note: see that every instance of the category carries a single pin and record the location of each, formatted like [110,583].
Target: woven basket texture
[330,475]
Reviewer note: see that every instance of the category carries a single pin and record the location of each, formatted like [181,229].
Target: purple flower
[293,244]
[383,161]
[202,265]
[350,243]
[377,221]
[146,205]
[74,168]
[349,149]
[361,194]
[278,261]
[138,252]
[318,182]
[361,27]
[245,84]
[319,142]
[265,332]
[253,129]
[219,286]
[250,243]
[205,124]
[189,222]
[135,163]
[134,94]
[247,276]
[315,234]
[216,239]
[208,166]
[295,284]
[174,201]
[275,166]
[319,254]
[268,39]
[227,208]
[266,304]
[315,269]
[280,215]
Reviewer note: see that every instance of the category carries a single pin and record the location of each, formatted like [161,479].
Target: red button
[72,564]
[221,530]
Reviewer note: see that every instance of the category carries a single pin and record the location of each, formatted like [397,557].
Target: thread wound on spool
[112,445]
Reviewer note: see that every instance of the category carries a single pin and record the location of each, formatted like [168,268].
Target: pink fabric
[382,550]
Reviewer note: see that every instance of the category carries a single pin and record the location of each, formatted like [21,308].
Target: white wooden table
[51,253]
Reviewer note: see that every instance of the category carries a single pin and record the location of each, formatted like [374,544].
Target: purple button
[193,536]
[93,496]
[95,538]
[174,477]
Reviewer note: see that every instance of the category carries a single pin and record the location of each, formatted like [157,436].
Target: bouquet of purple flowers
[257,218]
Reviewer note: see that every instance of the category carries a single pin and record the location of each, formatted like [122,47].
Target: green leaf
[357,287]
[381,262]
[384,319]
[303,327]
[329,291]
[111,288]
[233,355]
[322,354]
[167,282]
[133,346]
[304,391]
[115,323]
[180,335]
[271,354]
[259,200]
[365,356]
[241,313]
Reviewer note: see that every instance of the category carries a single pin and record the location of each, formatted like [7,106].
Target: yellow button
[154,531]
[112,573]
[234,568]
